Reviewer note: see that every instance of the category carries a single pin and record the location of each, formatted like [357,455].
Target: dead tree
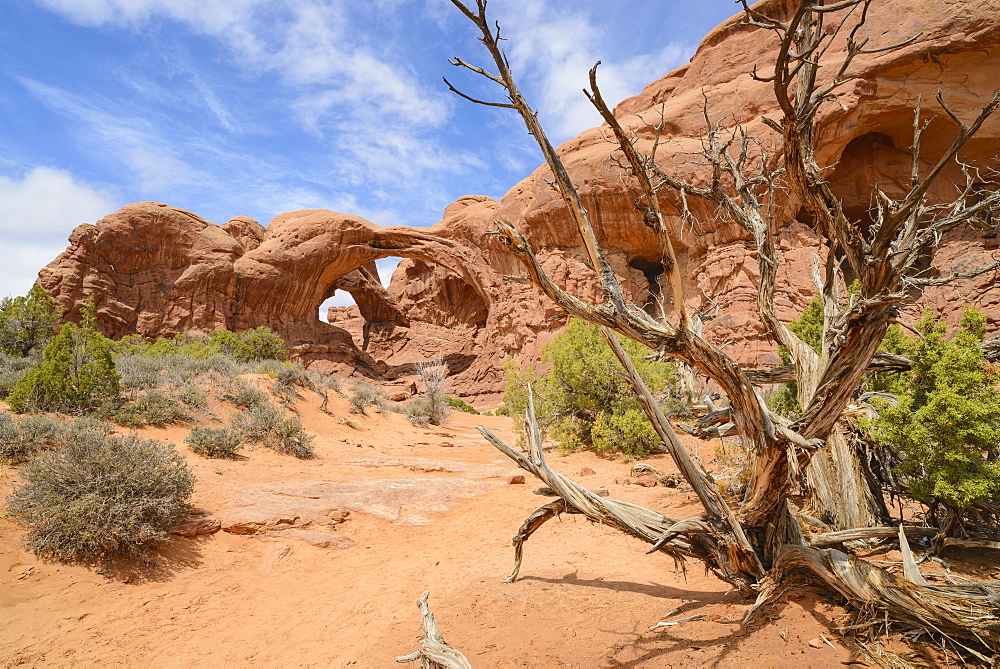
[434,653]
[762,543]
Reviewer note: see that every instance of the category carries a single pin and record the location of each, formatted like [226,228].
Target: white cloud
[374,109]
[210,17]
[37,213]
[553,48]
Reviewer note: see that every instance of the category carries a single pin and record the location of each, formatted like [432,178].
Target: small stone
[340,515]
[587,471]
[516,479]
[399,397]
[815,643]
[646,481]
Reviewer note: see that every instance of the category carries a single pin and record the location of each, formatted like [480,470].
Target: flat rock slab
[499,468]
[314,538]
[266,512]
[406,501]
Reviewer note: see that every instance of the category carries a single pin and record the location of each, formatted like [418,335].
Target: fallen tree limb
[680,539]
[834,538]
[434,653]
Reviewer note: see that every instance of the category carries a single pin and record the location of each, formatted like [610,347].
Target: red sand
[586,597]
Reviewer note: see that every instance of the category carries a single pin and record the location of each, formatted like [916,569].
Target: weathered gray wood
[434,653]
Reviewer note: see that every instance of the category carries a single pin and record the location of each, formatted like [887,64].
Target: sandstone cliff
[159,270]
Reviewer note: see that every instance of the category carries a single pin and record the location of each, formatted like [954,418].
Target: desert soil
[431,509]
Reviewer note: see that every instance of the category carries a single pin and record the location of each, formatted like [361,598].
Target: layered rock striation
[158,270]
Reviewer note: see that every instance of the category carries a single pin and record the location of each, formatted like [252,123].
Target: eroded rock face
[159,270]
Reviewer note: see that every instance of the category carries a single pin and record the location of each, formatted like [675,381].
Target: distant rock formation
[159,270]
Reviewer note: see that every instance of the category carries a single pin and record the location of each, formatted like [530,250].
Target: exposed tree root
[967,615]
[434,653]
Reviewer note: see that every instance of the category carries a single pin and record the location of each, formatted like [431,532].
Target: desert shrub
[675,407]
[293,374]
[433,408]
[154,408]
[264,424]
[12,368]
[100,496]
[193,397]
[584,401]
[361,396]
[285,393]
[139,372]
[22,438]
[257,421]
[76,372]
[945,426]
[461,405]
[420,412]
[182,369]
[244,396]
[214,442]
[27,323]
[288,436]
[323,381]
[289,377]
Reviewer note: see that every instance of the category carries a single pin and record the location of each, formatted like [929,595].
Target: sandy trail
[586,596]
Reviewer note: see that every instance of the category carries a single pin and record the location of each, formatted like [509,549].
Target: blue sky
[255,107]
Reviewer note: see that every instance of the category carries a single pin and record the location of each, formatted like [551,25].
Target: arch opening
[406,310]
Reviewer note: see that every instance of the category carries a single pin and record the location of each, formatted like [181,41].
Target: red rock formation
[159,270]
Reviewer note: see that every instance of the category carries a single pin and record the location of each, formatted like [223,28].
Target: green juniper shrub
[101,496]
[27,323]
[461,405]
[214,442]
[945,426]
[249,346]
[76,372]
[583,401]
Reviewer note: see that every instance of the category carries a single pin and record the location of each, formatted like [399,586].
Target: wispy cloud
[553,47]
[152,158]
[373,112]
